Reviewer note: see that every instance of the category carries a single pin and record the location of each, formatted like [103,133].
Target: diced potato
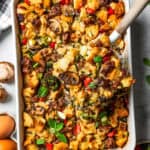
[65,26]
[105,27]
[105,93]
[94,97]
[37,57]
[46,3]
[103,51]
[36,1]
[113,21]
[93,4]
[116,61]
[32,147]
[104,39]
[77,4]
[115,74]
[119,44]
[29,136]
[121,138]
[28,92]
[28,121]
[78,26]
[74,145]
[88,128]
[22,8]
[63,63]
[68,111]
[92,31]
[39,123]
[60,146]
[113,120]
[84,145]
[55,1]
[31,79]
[122,112]
[102,15]
[66,19]
[119,8]
[127,82]
[83,13]
[91,53]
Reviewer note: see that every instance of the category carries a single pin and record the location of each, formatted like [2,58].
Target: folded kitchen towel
[5,19]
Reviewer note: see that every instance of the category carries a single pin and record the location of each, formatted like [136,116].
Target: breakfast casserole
[75,88]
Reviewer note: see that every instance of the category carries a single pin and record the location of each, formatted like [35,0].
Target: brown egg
[7,126]
[8,144]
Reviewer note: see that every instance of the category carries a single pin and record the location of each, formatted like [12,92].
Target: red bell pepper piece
[49,146]
[24,41]
[76,129]
[90,11]
[111,134]
[52,45]
[106,58]
[42,99]
[111,11]
[27,1]
[87,81]
[65,2]
[22,27]
[65,121]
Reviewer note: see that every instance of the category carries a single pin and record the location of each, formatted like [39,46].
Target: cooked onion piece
[55,26]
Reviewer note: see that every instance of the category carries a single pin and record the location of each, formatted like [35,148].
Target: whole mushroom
[6,72]
[3,94]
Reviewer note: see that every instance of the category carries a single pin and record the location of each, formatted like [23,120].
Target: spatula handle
[134,11]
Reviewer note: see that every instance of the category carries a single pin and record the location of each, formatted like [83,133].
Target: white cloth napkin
[5,20]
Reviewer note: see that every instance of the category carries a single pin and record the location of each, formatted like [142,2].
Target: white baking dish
[131,121]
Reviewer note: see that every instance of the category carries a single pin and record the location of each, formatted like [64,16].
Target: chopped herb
[35,65]
[40,141]
[59,126]
[97,124]
[44,40]
[92,85]
[77,58]
[53,83]
[30,53]
[49,64]
[52,123]
[76,66]
[97,59]
[102,114]
[43,91]
[104,118]
[148,79]
[61,137]
[88,116]
[55,128]
[85,116]
[40,75]
[146,61]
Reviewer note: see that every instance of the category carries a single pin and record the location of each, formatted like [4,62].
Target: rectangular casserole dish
[20,104]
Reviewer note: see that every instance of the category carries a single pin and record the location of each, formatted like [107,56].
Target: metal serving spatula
[134,11]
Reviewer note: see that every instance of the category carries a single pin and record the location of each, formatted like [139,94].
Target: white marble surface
[140,48]
[7,54]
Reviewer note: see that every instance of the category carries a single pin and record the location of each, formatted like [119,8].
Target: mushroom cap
[6,72]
